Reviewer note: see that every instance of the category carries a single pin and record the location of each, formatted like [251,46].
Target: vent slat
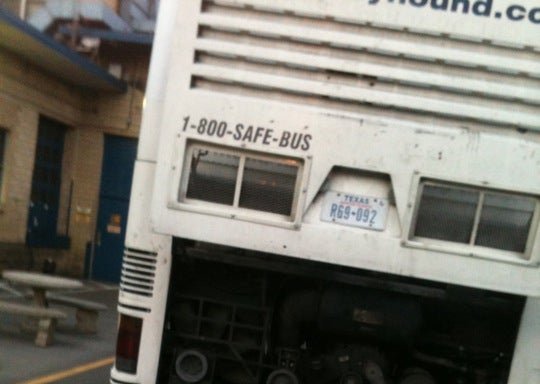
[389,73]
[138,268]
[145,264]
[283,53]
[135,283]
[416,51]
[527,117]
[135,291]
[140,256]
[127,274]
[137,279]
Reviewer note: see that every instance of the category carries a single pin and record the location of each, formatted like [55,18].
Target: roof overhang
[44,52]
[108,35]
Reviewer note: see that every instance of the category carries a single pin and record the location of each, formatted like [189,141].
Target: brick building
[70,87]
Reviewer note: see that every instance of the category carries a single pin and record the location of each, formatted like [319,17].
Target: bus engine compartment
[242,317]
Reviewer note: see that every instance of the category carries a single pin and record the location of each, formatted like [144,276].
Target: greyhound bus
[336,192]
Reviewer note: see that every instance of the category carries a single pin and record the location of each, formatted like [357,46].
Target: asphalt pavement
[74,357]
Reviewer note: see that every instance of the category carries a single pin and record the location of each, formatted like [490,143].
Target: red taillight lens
[127,344]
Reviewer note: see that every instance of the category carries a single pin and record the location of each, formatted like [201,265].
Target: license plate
[355,210]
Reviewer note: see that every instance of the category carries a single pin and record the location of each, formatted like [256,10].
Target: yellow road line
[70,372]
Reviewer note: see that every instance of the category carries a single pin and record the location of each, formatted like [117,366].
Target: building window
[475,217]
[242,180]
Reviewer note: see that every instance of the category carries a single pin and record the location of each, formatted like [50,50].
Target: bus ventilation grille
[138,272]
[279,53]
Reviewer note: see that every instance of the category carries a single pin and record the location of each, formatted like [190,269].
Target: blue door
[116,175]
[42,224]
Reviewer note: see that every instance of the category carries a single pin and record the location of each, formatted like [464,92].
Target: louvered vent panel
[138,272]
[333,64]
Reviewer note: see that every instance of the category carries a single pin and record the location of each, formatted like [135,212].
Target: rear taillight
[127,344]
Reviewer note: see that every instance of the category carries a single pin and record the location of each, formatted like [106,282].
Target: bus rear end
[336,192]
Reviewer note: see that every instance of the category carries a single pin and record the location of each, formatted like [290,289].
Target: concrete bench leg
[45,332]
[86,320]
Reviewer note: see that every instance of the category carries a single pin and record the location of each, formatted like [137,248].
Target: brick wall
[14,256]
[21,125]
[25,94]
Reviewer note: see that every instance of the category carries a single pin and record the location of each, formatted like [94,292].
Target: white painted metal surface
[453,154]
[384,96]
[420,16]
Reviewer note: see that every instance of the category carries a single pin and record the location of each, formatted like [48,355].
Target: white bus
[336,192]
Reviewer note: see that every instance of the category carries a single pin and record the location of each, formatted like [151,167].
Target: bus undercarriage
[236,316]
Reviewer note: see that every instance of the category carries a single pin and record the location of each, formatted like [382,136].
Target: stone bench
[47,318]
[7,288]
[86,311]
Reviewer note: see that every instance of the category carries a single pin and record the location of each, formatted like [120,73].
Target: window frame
[179,201]
[527,257]
[3,148]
